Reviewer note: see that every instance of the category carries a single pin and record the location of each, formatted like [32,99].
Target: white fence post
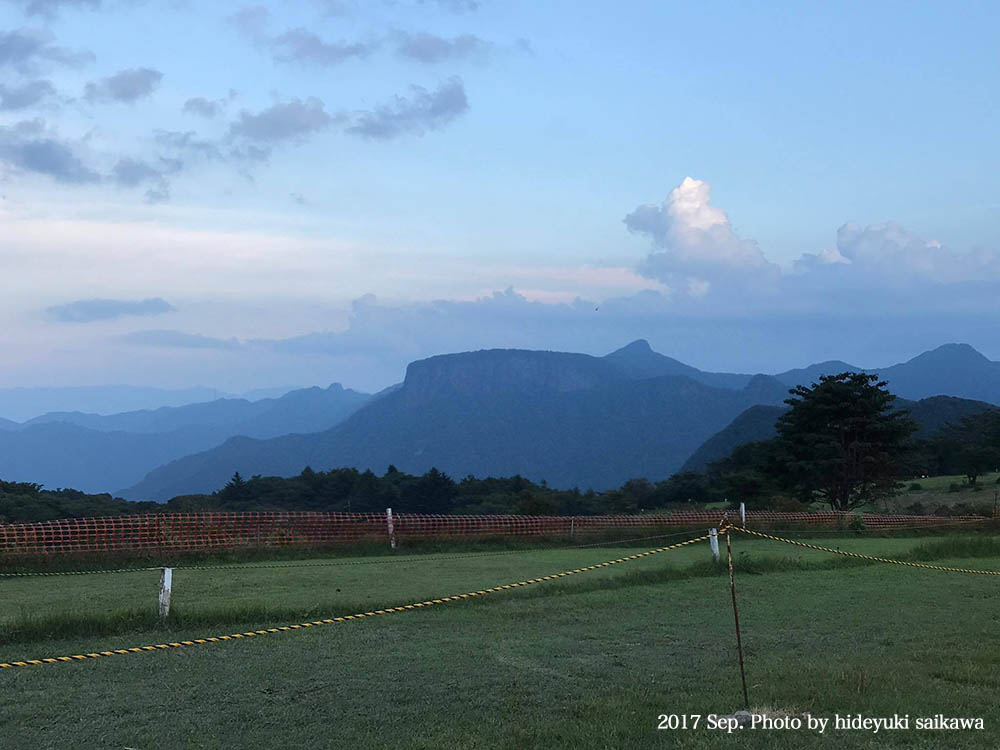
[572,527]
[166,581]
[713,540]
[743,514]
[392,532]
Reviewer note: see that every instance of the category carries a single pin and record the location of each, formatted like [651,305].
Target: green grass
[943,483]
[585,662]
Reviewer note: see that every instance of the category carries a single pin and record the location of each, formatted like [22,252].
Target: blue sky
[264,193]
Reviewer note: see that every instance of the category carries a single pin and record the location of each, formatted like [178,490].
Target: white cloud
[889,250]
[694,244]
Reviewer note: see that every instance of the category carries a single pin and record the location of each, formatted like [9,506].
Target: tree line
[841,443]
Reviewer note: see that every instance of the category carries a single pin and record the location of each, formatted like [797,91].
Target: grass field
[935,492]
[589,661]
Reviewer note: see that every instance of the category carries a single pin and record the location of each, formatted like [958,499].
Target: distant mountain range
[571,419]
[97,453]
[758,423]
[20,404]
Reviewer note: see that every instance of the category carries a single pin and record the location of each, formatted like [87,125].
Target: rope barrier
[956,524]
[860,556]
[345,618]
[371,561]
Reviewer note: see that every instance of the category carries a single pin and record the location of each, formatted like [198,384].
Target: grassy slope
[585,662]
[934,491]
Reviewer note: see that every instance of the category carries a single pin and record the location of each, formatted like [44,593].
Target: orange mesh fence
[194,532]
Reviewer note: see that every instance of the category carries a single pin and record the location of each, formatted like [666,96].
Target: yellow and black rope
[860,556]
[345,618]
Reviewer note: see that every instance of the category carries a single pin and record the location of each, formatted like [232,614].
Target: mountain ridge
[121,449]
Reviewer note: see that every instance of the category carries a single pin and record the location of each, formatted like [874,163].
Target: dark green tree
[686,487]
[235,490]
[748,474]
[434,492]
[971,446]
[842,440]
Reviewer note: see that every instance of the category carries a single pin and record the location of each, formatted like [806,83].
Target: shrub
[915,487]
[857,523]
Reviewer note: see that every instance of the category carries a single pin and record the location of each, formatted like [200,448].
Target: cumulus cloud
[25,49]
[422,111]
[90,310]
[28,94]
[130,172]
[900,266]
[199,105]
[27,146]
[125,86]
[178,340]
[813,261]
[251,20]
[430,48]
[50,8]
[694,245]
[300,45]
[705,262]
[187,142]
[889,250]
[209,108]
[285,121]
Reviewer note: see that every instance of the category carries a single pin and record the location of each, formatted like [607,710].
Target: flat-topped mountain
[571,419]
[502,371]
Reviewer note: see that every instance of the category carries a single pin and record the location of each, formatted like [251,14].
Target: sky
[245,195]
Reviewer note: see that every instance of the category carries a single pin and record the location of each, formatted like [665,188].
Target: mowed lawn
[588,661]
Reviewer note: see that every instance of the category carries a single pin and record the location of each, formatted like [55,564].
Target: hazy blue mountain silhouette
[24,403]
[98,453]
[571,419]
[949,370]
[640,361]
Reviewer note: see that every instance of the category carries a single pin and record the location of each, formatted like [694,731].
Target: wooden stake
[736,617]
[713,542]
